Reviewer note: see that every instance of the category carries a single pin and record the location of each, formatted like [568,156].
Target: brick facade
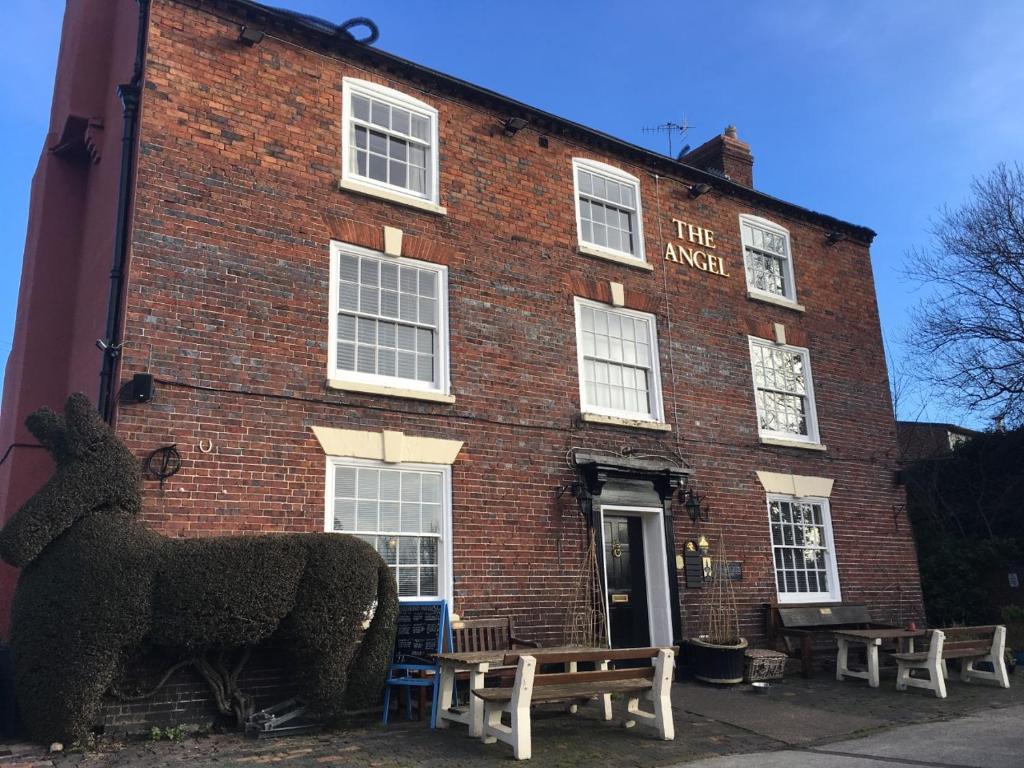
[235,204]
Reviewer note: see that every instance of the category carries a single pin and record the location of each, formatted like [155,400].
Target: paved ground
[816,722]
[991,739]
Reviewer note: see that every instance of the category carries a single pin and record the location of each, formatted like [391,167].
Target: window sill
[801,599]
[377,389]
[352,185]
[629,261]
[618,421]
[778,301]
[793,444]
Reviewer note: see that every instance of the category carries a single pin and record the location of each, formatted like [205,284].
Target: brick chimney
[724,154]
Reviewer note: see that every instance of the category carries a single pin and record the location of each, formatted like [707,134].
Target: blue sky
[874,111]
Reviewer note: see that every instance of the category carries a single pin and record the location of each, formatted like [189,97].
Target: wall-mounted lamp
[693,504]
[696,190]
[835,237]
[513,125]
[250,36]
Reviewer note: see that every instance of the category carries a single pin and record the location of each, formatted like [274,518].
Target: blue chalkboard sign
[421,632]
[424,631]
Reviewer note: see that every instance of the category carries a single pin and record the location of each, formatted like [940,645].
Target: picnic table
[477,664]
[871,639]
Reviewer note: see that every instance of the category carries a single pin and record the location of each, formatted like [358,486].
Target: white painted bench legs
[473,715]
[660,696]
[995,657]
[517,735]
[843,655]
[933,665]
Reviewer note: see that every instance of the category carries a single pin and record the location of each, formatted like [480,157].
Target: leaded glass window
[608,208]
[766,258]
[618,357]
[400,513]
[802,548]
[782,389]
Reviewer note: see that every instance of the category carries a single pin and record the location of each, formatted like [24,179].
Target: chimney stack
[725,155]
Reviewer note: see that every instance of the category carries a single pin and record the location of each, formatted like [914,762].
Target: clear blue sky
[876,112]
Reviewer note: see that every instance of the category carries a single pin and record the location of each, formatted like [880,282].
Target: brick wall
[236,202]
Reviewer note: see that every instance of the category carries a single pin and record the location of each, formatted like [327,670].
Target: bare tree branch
[967,337]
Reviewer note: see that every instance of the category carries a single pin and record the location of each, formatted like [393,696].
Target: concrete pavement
[991,739]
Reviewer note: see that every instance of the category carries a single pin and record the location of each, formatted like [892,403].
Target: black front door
[627,582]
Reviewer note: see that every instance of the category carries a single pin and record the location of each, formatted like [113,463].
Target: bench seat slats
[549,693]
[596,676]
[612,654]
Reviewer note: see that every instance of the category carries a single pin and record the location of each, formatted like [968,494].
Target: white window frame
[812,437]
[835,594]
[442,385]
[620,176]
[657,415]
[445,578]
[790,282]
[350,86]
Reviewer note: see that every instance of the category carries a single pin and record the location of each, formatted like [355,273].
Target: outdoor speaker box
[142,387]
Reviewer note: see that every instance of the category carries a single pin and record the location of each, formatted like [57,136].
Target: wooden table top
[881,634]
[473,658]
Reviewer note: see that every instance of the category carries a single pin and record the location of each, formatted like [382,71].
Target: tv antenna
[670,128]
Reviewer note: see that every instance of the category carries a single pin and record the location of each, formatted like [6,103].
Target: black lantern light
[693,504]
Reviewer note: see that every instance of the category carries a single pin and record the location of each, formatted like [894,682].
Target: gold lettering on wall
[696,254]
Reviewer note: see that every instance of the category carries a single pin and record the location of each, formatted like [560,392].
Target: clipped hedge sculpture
[96,584]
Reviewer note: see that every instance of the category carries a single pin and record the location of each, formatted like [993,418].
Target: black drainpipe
[110,344]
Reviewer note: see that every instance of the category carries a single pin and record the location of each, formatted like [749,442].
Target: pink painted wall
[68,246]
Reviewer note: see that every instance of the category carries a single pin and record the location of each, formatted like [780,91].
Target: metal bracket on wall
[897,510]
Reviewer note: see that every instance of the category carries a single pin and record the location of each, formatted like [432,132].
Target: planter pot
[714,663]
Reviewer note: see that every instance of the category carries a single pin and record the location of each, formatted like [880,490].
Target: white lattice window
[803,549]
[608,213]
[388,320]
[390,140]
[783,391]
[403,512]
[618,362]
[766,258]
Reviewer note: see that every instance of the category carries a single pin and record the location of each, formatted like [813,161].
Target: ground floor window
[403,510]
[803,549]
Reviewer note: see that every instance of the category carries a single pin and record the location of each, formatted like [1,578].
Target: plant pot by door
[715,663]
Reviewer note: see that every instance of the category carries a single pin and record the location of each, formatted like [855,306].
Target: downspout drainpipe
[130,95]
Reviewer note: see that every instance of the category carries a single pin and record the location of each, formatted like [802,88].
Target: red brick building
[377,299]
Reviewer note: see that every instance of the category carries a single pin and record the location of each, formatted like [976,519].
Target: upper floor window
[767,259]
[783,391]
[389,141]
[608,213]
[617,352]
[388,320]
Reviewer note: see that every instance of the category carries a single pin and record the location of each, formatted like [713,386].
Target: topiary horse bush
[96,585]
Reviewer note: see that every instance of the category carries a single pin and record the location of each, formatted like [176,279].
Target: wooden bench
[806,622]
[470,635]
[968,644]
[531,686]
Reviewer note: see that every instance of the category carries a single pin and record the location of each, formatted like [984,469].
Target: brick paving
[709,722]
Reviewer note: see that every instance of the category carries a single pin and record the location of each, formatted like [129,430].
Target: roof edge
[327,32]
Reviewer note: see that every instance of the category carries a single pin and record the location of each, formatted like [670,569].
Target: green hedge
[96,584]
